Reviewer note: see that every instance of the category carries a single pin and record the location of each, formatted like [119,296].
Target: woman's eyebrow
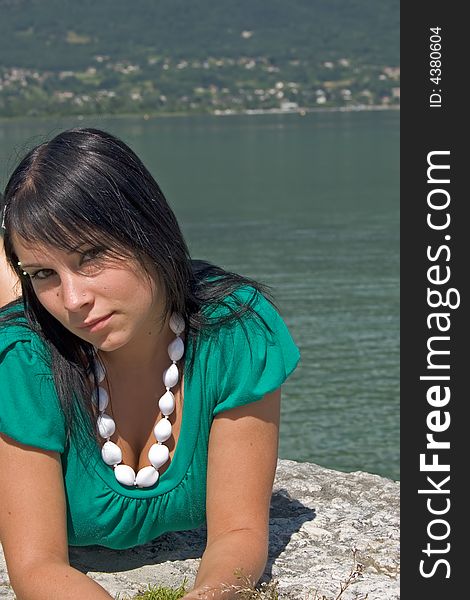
[28,266]
[77,248]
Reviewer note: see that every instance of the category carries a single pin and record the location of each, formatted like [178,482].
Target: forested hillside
[154,54]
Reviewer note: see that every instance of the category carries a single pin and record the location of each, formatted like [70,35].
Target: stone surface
[318,516]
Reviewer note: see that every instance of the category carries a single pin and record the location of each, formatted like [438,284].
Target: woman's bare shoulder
[9,284]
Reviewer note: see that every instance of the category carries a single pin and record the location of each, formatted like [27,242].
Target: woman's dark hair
[86,186]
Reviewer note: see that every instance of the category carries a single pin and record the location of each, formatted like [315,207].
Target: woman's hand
[199,594]
[242,462]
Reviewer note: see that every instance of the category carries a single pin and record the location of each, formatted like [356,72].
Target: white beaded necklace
[158,454]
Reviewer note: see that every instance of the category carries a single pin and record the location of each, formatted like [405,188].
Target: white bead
[170,376]
[162,430]
[167,403]
[125,474]
[146,477]
[111,454]
[177,323]
[100,372]
[176,349]
[106,426]
[103,398]
[158,455]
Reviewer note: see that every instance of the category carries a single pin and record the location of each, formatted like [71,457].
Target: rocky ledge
[324,526]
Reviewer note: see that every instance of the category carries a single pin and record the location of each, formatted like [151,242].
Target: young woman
[140,388]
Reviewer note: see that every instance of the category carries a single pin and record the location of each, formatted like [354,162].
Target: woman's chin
[109,345]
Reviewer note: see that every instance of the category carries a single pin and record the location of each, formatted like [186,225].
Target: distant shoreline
[303,111]
[228,113]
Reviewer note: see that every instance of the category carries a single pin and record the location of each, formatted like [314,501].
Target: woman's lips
[96,324]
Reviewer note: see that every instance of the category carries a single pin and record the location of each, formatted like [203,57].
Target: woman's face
[104,300]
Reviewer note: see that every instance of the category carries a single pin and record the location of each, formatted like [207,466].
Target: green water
[309,205]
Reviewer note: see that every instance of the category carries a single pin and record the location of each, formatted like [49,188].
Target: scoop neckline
[182,456]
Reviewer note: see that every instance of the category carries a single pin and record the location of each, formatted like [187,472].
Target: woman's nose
[75,292]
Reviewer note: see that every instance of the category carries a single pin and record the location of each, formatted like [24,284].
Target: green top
[228,372]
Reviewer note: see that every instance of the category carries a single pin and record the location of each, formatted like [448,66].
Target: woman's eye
[92,261]
[42,274]
[91,254]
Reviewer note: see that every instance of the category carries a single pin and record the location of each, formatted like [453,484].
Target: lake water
[309,205]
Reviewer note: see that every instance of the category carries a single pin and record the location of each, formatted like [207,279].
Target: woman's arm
[242,462]
[9,285]
[33,527]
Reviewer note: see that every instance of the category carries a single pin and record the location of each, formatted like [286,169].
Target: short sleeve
[30,411]
[256,356]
